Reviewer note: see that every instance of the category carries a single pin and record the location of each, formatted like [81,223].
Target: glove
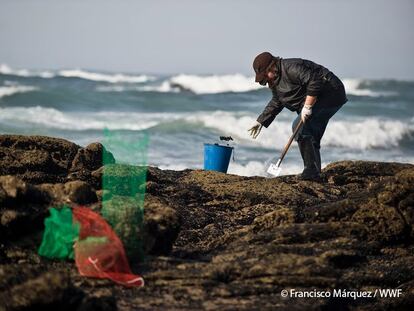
[255,130]
[306,113]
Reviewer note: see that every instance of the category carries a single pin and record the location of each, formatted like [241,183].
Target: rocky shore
[212,240]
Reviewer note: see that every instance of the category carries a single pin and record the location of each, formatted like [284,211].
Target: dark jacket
[295,79]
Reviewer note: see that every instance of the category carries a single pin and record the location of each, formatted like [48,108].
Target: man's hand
[255,130]
[307,108]
[306,112]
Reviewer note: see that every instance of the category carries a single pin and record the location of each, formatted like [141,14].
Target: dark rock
[42,159]
[80,192]
[125,215]
[124,180]
[83,175]
[43,291]
[105,303]
[161,226]
[22,207]
[91,158]
[214,240]
[98,173]
[14,191]
[49,157]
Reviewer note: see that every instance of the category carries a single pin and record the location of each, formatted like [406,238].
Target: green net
[60,234]
[123,184]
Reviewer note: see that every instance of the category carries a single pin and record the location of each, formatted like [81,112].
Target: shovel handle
[295,131]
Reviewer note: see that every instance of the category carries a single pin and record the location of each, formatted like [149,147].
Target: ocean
[182,112]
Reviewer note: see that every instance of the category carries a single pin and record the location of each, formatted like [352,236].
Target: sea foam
[198,84]
[110,78]
[256,168]
[236,83]
[9,90]
[359,133]
[354,87]
[6,70]
[53,118]
[77,73]
[215,83]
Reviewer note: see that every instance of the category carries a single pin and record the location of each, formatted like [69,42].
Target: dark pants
[315,125]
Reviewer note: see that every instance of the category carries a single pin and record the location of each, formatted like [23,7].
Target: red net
[99,252]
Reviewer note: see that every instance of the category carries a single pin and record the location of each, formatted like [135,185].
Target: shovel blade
[274,170]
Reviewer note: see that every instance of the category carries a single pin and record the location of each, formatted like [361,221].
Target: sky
[353,38]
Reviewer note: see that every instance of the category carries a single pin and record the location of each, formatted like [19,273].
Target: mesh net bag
[60,234]
[99,252]
[123,185]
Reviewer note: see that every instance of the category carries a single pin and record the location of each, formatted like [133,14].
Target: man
[309,89]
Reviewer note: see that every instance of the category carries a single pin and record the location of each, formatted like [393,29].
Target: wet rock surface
[213,240]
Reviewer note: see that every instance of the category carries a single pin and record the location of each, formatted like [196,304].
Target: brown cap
[261,63]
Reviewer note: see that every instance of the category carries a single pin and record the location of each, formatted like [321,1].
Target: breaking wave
[53,118]
[110,78]
[77,73]
[359,134]
[214,84]
[6,70]
[11,88]
[197,84]
[356,87]
[239,83]
[164,87]
[236,83]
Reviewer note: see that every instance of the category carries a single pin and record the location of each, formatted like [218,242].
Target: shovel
[274,168]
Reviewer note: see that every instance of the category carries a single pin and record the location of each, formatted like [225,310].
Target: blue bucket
[217,157]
